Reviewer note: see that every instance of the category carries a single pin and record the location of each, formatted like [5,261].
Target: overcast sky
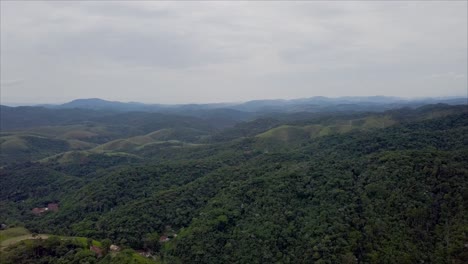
[185,52]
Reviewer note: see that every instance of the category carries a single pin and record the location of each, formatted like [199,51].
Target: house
[96,250]
[54,207]
[114,248]
[38,211]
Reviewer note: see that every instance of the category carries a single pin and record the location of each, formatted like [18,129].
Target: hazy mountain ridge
[220,114]
[318,103]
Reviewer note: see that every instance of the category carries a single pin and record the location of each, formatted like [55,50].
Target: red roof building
[53,207]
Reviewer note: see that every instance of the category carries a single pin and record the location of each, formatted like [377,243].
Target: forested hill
[386,187]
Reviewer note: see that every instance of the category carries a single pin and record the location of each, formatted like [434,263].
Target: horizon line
[414,98]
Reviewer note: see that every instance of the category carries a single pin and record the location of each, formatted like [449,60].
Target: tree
[106,243]
[151,242]
[89,242]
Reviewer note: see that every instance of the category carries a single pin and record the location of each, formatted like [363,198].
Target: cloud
[448,75]
[173,52]
[5,83]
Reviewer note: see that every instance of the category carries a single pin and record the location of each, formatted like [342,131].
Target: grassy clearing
[289,133]
[13,143]
[272,132]
[116,145]
[161,134]
[16,239]
[285,133]
[78,144]
[83,241]
[13,232]
[16,234]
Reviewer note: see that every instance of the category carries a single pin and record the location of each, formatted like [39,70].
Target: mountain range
[312,104]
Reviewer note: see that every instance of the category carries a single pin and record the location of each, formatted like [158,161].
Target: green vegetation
[13,232]
[59,249]
[386,187]
[18,245]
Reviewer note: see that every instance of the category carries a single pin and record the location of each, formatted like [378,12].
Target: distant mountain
[245,110]
[342,104]
[100,104]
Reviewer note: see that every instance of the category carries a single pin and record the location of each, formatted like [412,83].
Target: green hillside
[22,246]
[38,143]
[331,188]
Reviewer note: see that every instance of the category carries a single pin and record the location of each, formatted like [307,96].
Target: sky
[204,52]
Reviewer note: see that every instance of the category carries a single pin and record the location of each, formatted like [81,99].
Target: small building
[114,247]
[53,207]
[39,210]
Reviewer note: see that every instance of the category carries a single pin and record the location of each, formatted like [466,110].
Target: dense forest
[273,187]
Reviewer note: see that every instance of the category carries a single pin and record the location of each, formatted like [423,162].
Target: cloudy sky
[184,52]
